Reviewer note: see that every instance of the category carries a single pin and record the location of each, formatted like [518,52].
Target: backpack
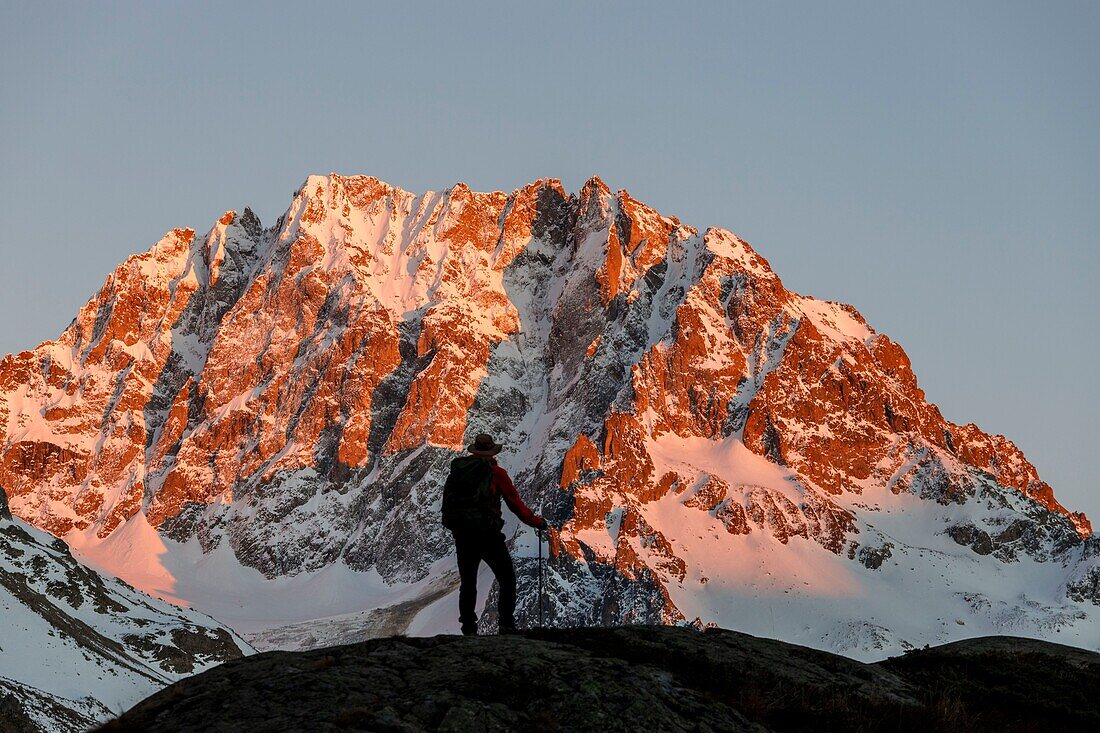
[469,503]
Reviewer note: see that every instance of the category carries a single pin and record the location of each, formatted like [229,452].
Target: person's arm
[503,483]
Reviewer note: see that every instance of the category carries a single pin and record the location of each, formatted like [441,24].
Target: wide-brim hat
[484,445]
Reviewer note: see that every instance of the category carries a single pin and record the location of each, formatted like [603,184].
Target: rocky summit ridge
[280,404]
[631,679]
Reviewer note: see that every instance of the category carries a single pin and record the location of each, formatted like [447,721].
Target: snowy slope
[255,423]
[78,647]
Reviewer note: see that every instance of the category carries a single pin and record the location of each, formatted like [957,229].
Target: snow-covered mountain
[78,647]
[257,422]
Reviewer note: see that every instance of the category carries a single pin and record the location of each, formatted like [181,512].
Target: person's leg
[500,562]
[469,558]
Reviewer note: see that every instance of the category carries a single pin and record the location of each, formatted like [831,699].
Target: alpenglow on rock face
[707,444]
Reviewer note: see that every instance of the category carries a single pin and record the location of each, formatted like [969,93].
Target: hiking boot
[469,629]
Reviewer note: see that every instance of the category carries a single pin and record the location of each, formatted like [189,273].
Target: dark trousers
[472,548]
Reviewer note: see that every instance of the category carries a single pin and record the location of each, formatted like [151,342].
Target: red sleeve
[502,482]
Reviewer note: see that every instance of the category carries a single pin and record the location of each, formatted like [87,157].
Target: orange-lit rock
[241,386]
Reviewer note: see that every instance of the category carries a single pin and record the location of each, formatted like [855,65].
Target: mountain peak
[250,222]
[701,438]
[594,186]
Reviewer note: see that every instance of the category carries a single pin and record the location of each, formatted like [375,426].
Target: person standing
[471,510]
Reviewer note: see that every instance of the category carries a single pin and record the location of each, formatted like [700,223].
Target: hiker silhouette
[471,510]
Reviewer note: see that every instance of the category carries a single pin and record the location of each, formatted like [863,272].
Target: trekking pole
[540,580]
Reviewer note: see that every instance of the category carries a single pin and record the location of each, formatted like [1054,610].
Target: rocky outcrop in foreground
[632,678]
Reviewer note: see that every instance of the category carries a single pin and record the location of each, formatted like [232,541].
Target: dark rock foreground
[632,679]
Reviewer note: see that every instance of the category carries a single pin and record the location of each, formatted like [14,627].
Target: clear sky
[937,165]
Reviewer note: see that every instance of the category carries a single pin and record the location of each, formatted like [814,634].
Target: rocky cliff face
[79,647]
[706,443]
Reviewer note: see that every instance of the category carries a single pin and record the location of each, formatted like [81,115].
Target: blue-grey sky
[937,165]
